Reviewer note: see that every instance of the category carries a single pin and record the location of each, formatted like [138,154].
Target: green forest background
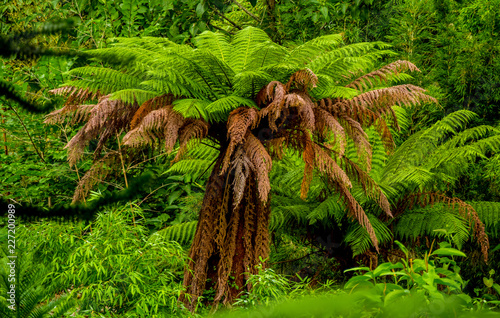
[127,258]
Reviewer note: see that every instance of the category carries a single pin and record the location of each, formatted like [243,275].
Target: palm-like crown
[251,97]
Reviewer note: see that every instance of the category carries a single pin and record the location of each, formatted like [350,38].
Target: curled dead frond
[325,123]
[163,124]
[275,93]
[241,166]
[95,175]
[192,129]
[302,80]
[304,106]
[75,97]
[262,164]
[239,122]
[376,77]
[149,106]
[106,119]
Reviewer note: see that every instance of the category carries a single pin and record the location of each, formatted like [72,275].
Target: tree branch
[245,9]
[216,10]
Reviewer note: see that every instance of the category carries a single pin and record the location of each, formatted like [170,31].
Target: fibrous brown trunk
[229,240]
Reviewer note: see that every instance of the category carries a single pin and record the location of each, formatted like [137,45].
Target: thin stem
[121,159]
[246,11]
[27,132]
[5,137]
[216,10]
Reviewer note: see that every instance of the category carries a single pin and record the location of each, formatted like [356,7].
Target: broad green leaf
[448,252]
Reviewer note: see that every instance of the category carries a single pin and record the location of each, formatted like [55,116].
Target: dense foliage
[333,250]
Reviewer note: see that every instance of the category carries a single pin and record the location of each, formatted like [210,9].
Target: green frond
[286,210]
[424,222]
[330,209]
[349,51]
[192,108]
[470,135]
[220,109]
[244,45]
[216,43]
[266,54]
[194,167]
[327,88]
[132,95]
[249,83]
[359,240]
[106,80]
[182,233]
[198,160]
[489,214]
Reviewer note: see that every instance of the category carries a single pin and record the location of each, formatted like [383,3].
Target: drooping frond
[163,124]
[241,166]
[182,233]
[239,122]
[107,118]
[425,221]
[489,213]
[383,74]
[359,239]
[95,175]
[262,164]
[191,130]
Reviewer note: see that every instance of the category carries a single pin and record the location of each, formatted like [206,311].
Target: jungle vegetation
[238,158]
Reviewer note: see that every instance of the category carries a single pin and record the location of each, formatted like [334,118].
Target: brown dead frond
[192,129]
[149,106]
[106,119]
[308,155]
[163,124]
[327,165]
[73,105]
[302,80]
[274,93]
[262,164]
[326,123]
[381,75]
[99,170]
[238,124]
[369,186]
[241,166]
[304,106]
[359,137]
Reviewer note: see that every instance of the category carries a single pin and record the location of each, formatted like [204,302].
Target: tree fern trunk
[229,241]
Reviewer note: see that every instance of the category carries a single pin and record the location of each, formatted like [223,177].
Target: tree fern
[252,98]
